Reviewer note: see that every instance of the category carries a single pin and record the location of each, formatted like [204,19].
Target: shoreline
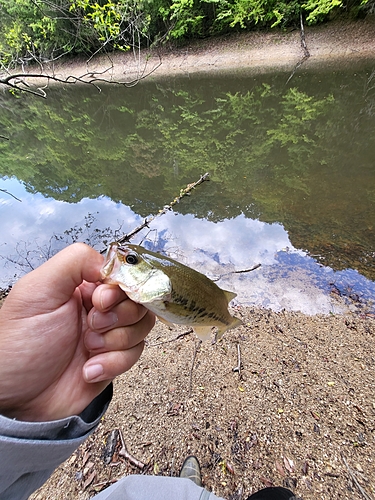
[332,45]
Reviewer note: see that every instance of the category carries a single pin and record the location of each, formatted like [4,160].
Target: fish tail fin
[234,323]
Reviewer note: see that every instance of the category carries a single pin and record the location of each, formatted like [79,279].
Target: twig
[196,349]
[3,137]
[180,335]
[238,367]
[164,210]
[303,39]
[104,483]
[217,278]
[355,480]
[10,194]
[306,53]
[248,270]
[124,453]
[110,446]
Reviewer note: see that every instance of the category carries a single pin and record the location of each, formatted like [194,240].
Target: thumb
[54,282]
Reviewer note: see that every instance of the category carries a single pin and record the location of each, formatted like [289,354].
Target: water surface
[292,169]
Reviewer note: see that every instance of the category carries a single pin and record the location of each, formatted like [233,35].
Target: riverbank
[332,45]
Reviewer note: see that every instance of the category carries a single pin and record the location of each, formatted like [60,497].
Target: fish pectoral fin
[203,332]
[229,295]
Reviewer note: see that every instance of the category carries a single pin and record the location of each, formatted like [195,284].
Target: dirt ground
[300,411]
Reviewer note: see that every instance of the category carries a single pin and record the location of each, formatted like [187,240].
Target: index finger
[107,296]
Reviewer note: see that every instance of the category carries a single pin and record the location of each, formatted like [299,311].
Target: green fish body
[173,292]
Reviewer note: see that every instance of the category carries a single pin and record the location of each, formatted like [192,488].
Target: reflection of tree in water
[274,153]
[29,255]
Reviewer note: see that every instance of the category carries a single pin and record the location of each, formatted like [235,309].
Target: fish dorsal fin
[229,295]
[203,332]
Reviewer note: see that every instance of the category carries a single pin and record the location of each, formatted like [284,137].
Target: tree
[40,32]
[36,34]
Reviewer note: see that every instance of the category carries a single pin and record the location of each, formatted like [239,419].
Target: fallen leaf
[230,467]
[280,469]
[315,415]
[89,480]
[267,482]
[305,468]
[289,464]
[86,456]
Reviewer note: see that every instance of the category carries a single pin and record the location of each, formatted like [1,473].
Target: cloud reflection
[287,278]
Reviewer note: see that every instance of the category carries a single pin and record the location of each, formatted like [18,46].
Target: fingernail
[93,372]
[94,340]
[108,297]
[103,320]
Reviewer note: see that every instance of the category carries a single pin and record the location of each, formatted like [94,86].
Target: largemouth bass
[173,292]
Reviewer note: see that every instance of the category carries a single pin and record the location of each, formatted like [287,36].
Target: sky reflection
[287,278]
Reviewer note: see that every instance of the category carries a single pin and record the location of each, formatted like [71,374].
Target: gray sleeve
[31,451]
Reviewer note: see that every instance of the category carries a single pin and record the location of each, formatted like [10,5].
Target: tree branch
[6,191]
[306,53]
[164,210]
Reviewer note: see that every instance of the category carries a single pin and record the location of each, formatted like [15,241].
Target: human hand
[64,337]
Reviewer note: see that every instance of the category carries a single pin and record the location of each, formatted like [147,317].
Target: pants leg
[136,487]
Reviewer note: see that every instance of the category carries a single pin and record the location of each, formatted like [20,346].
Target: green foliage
[41,30]
[32,31]
[114,22]
[185,18]
[44,29]
[318,9]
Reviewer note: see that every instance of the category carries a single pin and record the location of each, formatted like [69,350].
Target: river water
[292,169]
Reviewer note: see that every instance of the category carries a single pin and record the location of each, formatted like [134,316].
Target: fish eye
[131,258]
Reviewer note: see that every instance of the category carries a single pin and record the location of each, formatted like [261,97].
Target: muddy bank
[333,45]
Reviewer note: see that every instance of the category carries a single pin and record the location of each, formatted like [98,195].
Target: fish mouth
[109,263]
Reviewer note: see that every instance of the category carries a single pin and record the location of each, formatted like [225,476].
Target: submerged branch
[248,270]
[164,210]
[179,336]
[18,81]
[306,53]
[256,266]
